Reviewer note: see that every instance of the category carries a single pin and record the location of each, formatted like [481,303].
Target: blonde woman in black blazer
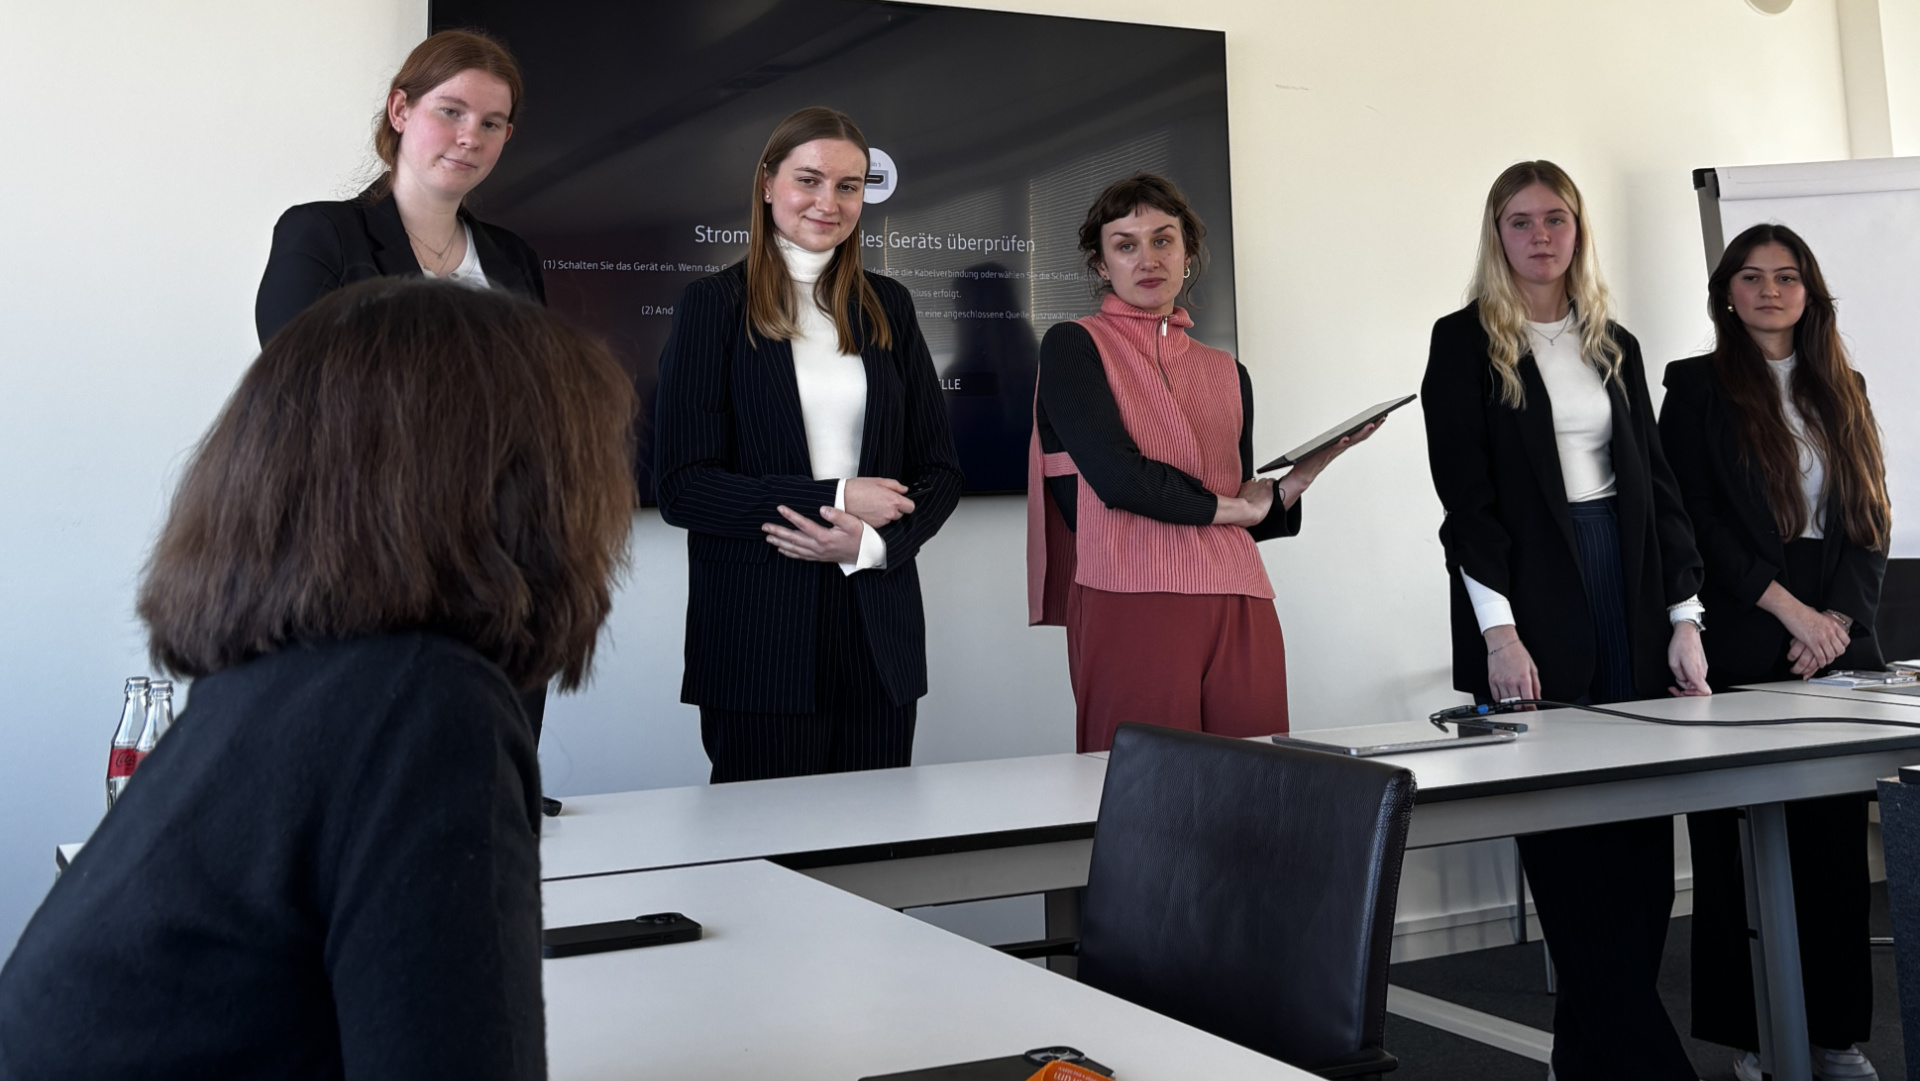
[1779,459]
[1573,576]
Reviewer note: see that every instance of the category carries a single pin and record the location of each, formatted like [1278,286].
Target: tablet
[1408,736]
[1336,433]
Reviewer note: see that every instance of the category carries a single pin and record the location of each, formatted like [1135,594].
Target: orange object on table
[1066,1071]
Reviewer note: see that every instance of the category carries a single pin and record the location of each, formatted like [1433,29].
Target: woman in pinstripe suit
[801,441]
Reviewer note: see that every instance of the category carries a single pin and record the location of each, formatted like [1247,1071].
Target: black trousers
[1604,893]
[1827,840]
[854,725]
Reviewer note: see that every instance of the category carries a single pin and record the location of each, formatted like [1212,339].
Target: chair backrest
[1247,889]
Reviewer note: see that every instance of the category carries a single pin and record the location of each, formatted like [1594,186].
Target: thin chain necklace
[439,254]
[1566,324]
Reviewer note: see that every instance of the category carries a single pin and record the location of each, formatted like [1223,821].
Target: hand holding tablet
[1345,429]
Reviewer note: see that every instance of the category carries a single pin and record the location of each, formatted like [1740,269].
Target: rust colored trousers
[1205,662]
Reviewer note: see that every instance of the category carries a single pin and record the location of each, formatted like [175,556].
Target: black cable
[1468,713]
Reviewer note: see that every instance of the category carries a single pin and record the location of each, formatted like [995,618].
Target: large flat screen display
[632,160]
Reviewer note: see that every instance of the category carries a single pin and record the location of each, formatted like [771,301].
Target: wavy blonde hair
[1503,313]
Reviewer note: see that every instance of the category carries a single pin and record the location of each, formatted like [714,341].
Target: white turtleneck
[1813,472]
[833,393]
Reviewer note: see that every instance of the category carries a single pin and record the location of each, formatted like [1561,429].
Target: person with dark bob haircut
[412,507]
[1142,510]
[1778,457]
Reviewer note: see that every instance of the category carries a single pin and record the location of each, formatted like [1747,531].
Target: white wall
[153,143]
[1900,42]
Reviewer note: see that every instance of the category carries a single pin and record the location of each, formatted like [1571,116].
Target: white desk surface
[796,979]
[1041,798]
[1000,804]
[1569,747]
[1845,694]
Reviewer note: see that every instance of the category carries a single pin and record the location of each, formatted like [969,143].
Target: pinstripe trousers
[854,724]
[1604,893]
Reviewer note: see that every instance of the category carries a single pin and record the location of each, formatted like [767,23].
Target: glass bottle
[159,718]
[123,755]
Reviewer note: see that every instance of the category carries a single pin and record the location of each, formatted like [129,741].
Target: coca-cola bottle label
[122,761]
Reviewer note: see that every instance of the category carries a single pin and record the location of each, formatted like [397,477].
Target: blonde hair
[1503,314]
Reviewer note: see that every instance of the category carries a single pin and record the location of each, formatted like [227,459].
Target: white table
[974,830]
[1845,694]
[797,979]
[985,829]
[902,837]
[1579,768]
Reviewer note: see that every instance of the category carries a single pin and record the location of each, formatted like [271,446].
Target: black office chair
[1898,624]
[1248,889]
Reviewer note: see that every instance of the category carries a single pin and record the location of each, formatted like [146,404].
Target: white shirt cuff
[1689,610]
[1490,607]
[873,552]
[873,547]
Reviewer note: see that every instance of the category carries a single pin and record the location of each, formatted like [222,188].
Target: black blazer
[319,247]
[1497,471]
[1733,519]
[730,446]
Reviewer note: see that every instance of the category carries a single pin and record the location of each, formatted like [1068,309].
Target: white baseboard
[1486,927]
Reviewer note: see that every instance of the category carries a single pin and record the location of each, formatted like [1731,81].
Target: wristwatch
[1845,620]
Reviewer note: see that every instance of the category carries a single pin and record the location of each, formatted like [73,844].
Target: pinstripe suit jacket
[730,446]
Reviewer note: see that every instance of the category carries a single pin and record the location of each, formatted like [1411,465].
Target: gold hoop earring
[1189,272]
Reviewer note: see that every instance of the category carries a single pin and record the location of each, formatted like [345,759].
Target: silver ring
[1505,701]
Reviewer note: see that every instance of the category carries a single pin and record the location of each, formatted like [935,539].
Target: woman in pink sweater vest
[1142,510]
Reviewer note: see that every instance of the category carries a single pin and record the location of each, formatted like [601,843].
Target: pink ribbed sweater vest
[1180,400]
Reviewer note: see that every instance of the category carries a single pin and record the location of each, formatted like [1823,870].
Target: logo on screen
[882,176]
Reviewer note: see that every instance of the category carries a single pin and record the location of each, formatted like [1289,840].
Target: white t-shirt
[1813,473]
[1582,411]
[1583,435]
[468,272]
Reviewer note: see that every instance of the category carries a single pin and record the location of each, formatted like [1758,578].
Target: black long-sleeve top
[329,868]
[1077,413]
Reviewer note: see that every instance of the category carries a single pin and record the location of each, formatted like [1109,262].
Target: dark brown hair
[404,455]
[770,303]
[1136,192]
[1824,389]
[432,62]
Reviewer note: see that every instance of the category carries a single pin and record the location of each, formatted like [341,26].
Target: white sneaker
[1747,1067]
[1848,1065]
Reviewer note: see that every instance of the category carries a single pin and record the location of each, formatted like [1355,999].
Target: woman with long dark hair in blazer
[1142,507]
[449,111]
[1778,456]
[1573,578]
[801,440]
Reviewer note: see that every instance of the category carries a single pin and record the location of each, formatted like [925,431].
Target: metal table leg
[1778,995]
[1063,922]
